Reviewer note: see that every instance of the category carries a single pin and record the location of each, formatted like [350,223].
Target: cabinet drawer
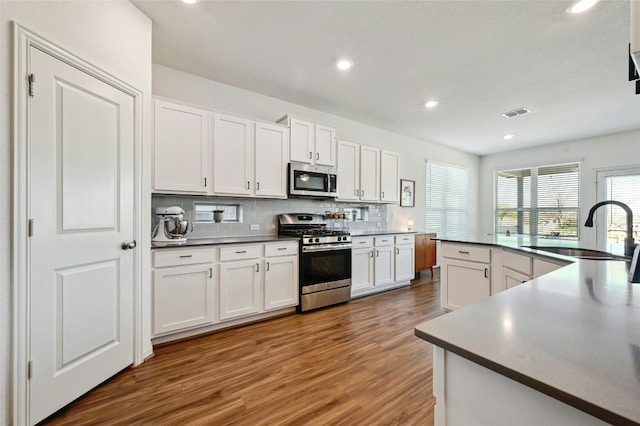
[362,242]
[162,258]
[405,239]
[281,249]
[517,262]
[469,252]
[240,252]
[383,240]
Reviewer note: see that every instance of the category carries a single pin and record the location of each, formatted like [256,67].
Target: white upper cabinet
[348,173]
[389,177]
[369,173]
[302,140]
[271,158]
[232,155]
[249,158]
[325,145]
[180,148]
[311,143]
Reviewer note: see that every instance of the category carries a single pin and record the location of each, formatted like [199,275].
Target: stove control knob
[339,238]
[317,240]
[310,240]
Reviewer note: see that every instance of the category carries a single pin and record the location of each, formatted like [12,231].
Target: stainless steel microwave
[308,180]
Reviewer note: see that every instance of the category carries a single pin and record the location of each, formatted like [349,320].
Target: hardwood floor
[353,364]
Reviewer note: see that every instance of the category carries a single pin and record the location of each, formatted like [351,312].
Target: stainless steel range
[325,260]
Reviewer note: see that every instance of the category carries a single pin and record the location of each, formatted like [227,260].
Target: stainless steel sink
[580,253]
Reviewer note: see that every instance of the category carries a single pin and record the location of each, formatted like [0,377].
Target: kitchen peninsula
[563,348]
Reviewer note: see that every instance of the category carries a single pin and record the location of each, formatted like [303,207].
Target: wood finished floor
[353,364]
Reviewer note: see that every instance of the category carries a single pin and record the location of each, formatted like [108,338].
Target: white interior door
[80,198]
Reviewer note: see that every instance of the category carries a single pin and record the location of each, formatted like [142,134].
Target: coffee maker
[172,228]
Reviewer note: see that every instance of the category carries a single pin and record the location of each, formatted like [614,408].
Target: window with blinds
[447,195]
[619,185]
[538,200]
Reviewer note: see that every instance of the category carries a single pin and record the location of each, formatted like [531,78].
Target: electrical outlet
[378,224]
[255,227]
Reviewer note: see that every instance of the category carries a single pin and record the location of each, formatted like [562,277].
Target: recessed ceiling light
[580,6]
[190,1]
[344,64]
[431,104]
[508,137]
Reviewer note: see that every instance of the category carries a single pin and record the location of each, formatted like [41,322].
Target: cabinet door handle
[382,194]
[310,155]
[257,186]
[356,192]
[282,248]
[377,253]
[241,251]
[317,155]
[268,266]
[248,185]
[186,256]
[210,272]
[397,250]
[362,242]
[463,252]
[486,272]
[371,253]
[362,193]
[257,267]
[205,181]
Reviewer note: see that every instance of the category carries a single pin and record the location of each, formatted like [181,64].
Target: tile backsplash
[264,214]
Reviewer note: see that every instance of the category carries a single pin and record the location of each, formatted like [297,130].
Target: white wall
[616,150]
[174,84]
[112,35]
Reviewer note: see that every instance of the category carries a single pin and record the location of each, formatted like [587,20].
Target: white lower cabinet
[465,274]
[514,278]
[378,264]
[197,290]
[281,276]
[183,290]
[239,288]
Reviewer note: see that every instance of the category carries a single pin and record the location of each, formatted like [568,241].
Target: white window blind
[539,200]
[447,207]
[619,185]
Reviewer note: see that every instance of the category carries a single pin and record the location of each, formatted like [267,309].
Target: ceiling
[478,58]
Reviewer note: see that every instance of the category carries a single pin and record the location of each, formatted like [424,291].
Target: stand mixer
[172,228]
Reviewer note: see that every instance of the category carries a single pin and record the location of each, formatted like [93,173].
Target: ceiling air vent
[516,112]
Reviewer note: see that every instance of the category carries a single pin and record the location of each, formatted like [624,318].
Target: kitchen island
[563,348]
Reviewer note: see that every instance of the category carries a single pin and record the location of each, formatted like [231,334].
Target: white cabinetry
[367,173]
[405,257]
[389,177]
[232,155]
[280,275]
[517,268]
[311,142]
[249,158]
[362,264]
[381,262]
[180,148]
[239,280]
[465,274]
[183,289]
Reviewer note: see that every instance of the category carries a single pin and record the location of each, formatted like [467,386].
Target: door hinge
[30,226]
[32,84]
[29,369]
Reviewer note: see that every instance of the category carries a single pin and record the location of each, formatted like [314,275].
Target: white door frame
[23,41]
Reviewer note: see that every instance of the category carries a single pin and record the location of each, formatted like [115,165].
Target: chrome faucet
[629,244]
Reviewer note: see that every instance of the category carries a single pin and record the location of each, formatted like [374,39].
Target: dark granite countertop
[197,242]
[358,233]
[573,334]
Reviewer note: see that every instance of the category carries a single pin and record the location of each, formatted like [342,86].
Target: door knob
[128,245]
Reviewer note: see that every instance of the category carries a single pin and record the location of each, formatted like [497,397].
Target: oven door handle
[326,247]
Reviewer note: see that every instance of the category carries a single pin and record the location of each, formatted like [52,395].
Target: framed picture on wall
[407,193]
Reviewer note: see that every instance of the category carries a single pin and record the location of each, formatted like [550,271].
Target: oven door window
[326,266]
[309,181]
